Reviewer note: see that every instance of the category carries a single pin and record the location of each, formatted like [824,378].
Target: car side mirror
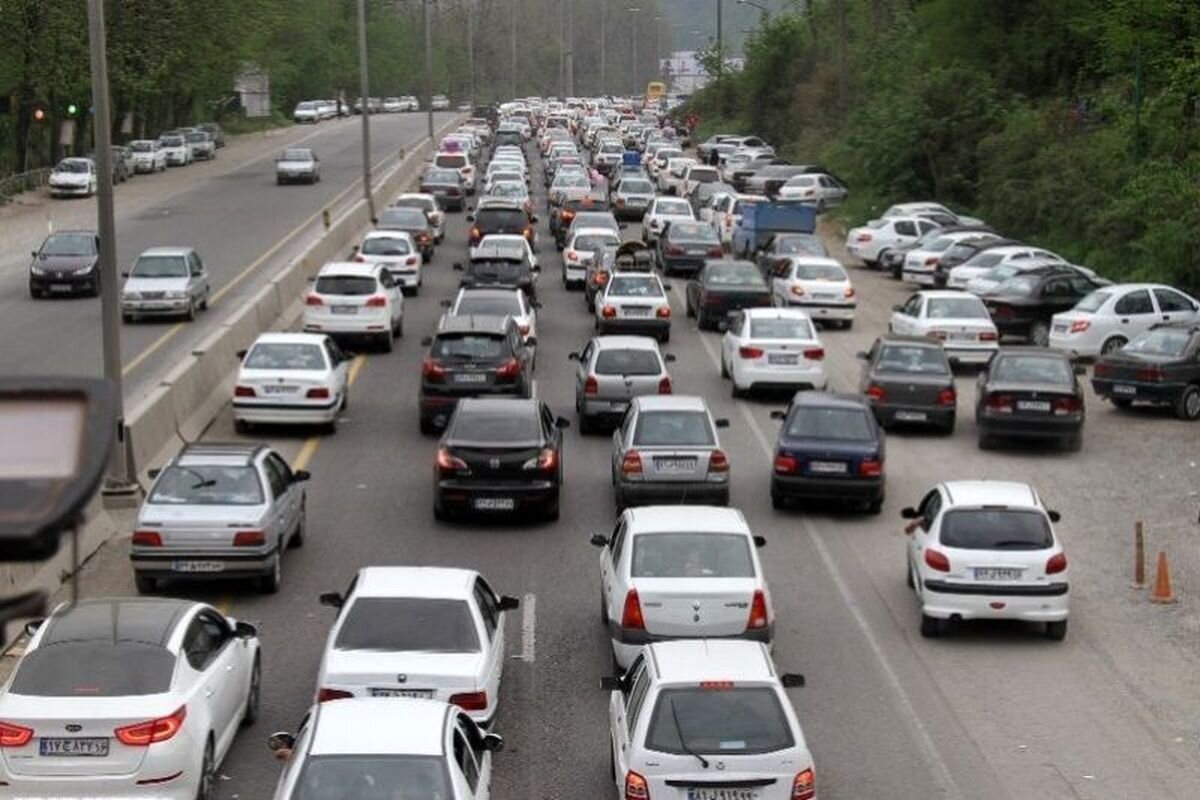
[599,540]
[32,626]
[908,512]
[33,253]
[897,307]
[862,354]
[493,742]
[507,603]
[572,356]
[125,273]
[721,422]
[426,341]
[533,219]
[244,630]
[666,287]
[562,423]
[531,341]
[669,358]
[332,599]
[792,680]
[611,683]
[760,541]
[280,740]
[954,362]
[1080,369]
[777,414]
[1054,516]
[154,472]
[301,475]
[241,354]
[457,266]
[535,269]
[622,225]
[470,217]
[446,304]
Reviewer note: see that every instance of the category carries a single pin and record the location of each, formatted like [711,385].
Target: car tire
[270,583]
[204,302]
[702,322]
[603,610]
[931,627]
[254,695]
[724,368]
[778,501]
[1056,631]
[735,391]
[439,511]
[664,337]
[1039,334]
[551,512]
[908,576]
[241,426]
[206,788]
[875,506]
[145,584]
[986,441]
[34,293]
[95,290]
[427,427]
[1073,443]
[387,341]
[190,314]
[1187,407]
[1112,344]
[1121,402]
[846,324]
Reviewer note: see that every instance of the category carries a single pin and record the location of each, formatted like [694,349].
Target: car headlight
[36,270]
[131,295]
[175,295]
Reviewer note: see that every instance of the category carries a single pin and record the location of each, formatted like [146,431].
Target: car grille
[153,295]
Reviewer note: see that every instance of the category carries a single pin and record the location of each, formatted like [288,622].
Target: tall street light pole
[471,50]
[117,481]
[562,49]
[365,91]
[766,12]
[513,34]
[570,48]
[428,68]
[720,42]
[603,49]
[634,10]
[658,46]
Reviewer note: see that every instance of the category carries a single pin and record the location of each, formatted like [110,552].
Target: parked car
[1160,367]
[68,262]
[290,379]
[297,164]
[611,371]
[823,191]
[73,177]
[873,242]
[920,263]
[201,145]
[1107,319]
[772,349]
[179,154]
[306,111]
[165,281]
[960,321]
[724,286]
[1025,304]
[1030,393]
[350,300]
[148,155]
[215,132]
[908,380]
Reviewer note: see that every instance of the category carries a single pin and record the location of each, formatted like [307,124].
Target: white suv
[986,550]
[689,705]
[355,300]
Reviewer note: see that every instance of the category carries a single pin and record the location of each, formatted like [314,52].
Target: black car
[1161,367]
[829,447]
[1030,393]
[782,246]
[515,273]
[963,251]
[740,175]
[1023,305]
[892,260]
[767,180]
[724,286]
[908,381]
[564,214]
[499,456]
[68,262]
[446,185]
[500,218]
[409,220]
[472,356]
[685,246]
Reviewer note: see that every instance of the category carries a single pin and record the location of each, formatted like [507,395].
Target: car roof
[166,251]
[991,493]
[432,582]
[695,660]
[625,343]
[692,519]
[594,230]
[1030,350]
[287,337]
[771,312]
[810,399]
[508,405]
[379,726]
[150,620]
[804,258]
[388,234]
[235,454]
[923,341]
[474,323]
[366,270]
[489,291]
[942,294]
[671,402]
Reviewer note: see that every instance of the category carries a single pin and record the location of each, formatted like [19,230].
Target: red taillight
[147,539]
[947,397]
[785,464]
[447,462]
[870,468]
[1056,563]
[572,256]
[663,312]
[863,237]
[470,701]
[422,238]
[432,371]
[376,301]
[815,354]
[1000,312]
[758,612]
[673,251]
[324,695]
[631,463]
[475,233]
[313,300]
[608,312]
[939,335]
[14,735]
[319,393]
[718,461]
[750,352]
[664,385]
[804,786]
[929,262]
[631,614]
[547,460]
[936,559]
[509,370]
[876,393]
[797,291]
[1000,403]
[591,385]
[988,336]
[411,261]
[1068,405]
[155,730]
[715,252]
[567,216]
[636,787]
[244,391]
[528,232]
[1101,369]
[249,539]
[1080,325]
[1148,374]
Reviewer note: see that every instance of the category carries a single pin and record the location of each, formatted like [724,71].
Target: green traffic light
[71,109]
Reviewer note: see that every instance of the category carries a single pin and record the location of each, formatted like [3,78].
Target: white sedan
[634,303]
[289,379]
[396,252]
[661,212]
[920,263]
[128,698]
[1108,318]
[505,245]
[772,348]
[685,572]
[960,321]
[424,632]
[818,285]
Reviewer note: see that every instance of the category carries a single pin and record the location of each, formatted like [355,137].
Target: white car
[658,164]
[395,251]
[581,248]
[661,212]
[73,177]
[772,348]
[681,572]
[982,284]
[1108,318]
[920,263]
[986,550]
[497,302]
[392,105]
[386,748]
[165,282]
[307,111]
[707,720]
[291,378]
[818,285]
[978,265]
[634,303]
[355,300]
[433,212]
[460,161]
[695,175]
[910,209]
[869,243]
[670,179]
[179,153]
[961,322]
[823,191]
[728,213]
[505,245]
[148,156]
[432,633]
[128,698]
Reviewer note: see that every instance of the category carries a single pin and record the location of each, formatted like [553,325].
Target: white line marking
[528,628]
[924,740]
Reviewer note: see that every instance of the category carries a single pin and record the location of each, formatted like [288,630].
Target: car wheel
[908,576]
[931,627]
[270,583]
[144,583]
[603,610]
[778,501]
[551,512]
[95,290]
[875,506]
[241,426]
[735,391]
[1039,334]
[34,293]
[847,324]
[1121,402]
[724,368]
[204,302]
[190,315]
[206,788]
[702,322]
[1187,407]
[439,511]
[387,341]
[1112,345]
[664,337]
[254,695]
[1056,631]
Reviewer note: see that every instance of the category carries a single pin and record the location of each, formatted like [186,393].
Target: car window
[627,362]
[385,246]
[842,424]
[956,308]
[489,304]
[208,485]
[69,244]
[160,267]
[485,426]
[673,428]
[782,328]
[733,275]
[909,359]
[637,695]
[1134,303]
[370,777]
[633,286]
[347,285]
[691,555]
[276,462]
[486,600]
[718,718]
[906,228]
[469,347]
[1032,369]
[617,542]
[1160,342]
[1172,301]
[465,759]
[201,643]
[912,308]
[433,625]
[995,529]
[285,356]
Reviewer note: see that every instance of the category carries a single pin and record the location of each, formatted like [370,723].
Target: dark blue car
[829,447]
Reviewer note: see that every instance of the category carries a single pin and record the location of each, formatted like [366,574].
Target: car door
[463,760]
[582,367]
[279,517]
[493,625]
[921,529]
[1174,306]
[1133,312]
[625,710]
[197,279]
[293,495]
[904,232]
[339,363]
[904,319]
[612,586]
[731,338]
[208,648]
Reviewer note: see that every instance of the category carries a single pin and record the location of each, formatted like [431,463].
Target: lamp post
[471,51]
[364,88]
[766,12]
[657,45]
[428,69]
[633,47]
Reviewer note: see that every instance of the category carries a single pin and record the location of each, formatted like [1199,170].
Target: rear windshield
[372,777]
[1162,342]
[480,426]
[285,355]
[501,217]
[507,272]
[636,187]
[842,424]
[469,347]
[94,669]
[1032,369]
[69,244]
[426,624]
[670,428]
[160,267]
[593,242]
[956,308]
[909,359]
[451,160]
[678,208]
[820,272]
[627,362]
[385,246]
[735,275]
[780,329]
[634,286]
[404,218]
[208,485]
[996,529]
[489,305]
[691,555]
[1020,285]
[441,176]
[296,155]
[719,721]
[692,231]
[799,245]
[350,285]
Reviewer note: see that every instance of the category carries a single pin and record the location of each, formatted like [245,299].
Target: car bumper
[919,277]
[971,355]
[102,787]
[283,414]
[627,644]
[292,177]
[661,492]
[814,487]
[144,166]
[575,274]
[1035,603]
[484,497]
[66,284]
[840,311]
[777,377]
[407,279]
[352,325]
[176,160]
[70,191]
[939,416]
[198,564]
[1132,390]
[1077,346]
[436,409]
[628,212]
[1029,426]
[152,308]
[635,326]
[610,410]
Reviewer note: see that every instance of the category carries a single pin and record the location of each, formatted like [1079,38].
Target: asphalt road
[229,209]
[992,711]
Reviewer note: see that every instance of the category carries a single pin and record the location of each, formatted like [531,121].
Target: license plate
[828,467]
[911,416]
[470,377]
[278,389]
[1123,388]
[495,504]
[675,464]
[344,309]
[421,694]
[962,337]
[823,296]
[997,574]
[782,358]
[1060,328]
[198,566]
[60,287]
[1033,405]
[722,794]
[634,311]
[57,746]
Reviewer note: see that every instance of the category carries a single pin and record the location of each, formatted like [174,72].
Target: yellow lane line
[307,451]
[356,367]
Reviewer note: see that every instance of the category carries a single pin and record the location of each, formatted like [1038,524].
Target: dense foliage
[1071,123]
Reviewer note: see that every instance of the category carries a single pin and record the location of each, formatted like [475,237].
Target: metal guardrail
[22,182]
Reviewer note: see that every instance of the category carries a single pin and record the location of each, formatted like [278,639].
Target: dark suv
[472,356]
[68,262]
[501,219]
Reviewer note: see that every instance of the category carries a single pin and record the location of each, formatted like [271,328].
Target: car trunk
[829,458]
[695,607]
[674,464]
[1026,400]
[723,299]
[200,526]
[626,387]
[285,386]
[782,354]
[498,464]
[919,391]
[468,376]
[743,777]
[425,675]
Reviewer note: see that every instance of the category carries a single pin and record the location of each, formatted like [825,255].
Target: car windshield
[142,146]
[424,624]
[634,286]
[69,244]
[372,777]
[75,668]
[956,308]
[820,272]
[673,208]
[296,155]
[424,204]
[910,359]
[385,246]
[781,328]
[842,424]
[1011,368]
[592,242]
[1001,273]
[197,137]
[349,285]
[208,485]
[673,428]
[720,719]
[469,347]
[1160,342]
[489,305]
[800,244]
[571,180]
[996,529]
[692,232]
[450,160]
[490,218]
[160,267]
[403,218]
[735,275]
[691,555]
[636,187]
[72,165]
[490,428]
[172,141]
[285,355]
[1093,302]
[627,362]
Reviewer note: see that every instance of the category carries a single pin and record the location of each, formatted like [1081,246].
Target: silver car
[666,450]
[165,281]
[611,371]
[218,511]
[297,164]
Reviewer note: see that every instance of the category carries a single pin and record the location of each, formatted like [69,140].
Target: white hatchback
[496,301]
[289,379]
[661,212]
[355,300]
[581,249]
[961,322]
[772,348]
[986,550]
[395,251]
[818,285]
[1108,318]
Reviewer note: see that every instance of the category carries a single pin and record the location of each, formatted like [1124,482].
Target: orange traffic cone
[1162,582]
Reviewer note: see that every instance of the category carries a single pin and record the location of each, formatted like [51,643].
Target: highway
[992,711]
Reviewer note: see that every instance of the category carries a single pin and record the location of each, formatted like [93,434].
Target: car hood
[66,263]
[156,284]
[69,177]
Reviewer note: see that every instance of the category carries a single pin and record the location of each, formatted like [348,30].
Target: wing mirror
[1054,516]
[507,603]
[280,740]
[777,414]
[721,422]
[244,630]
[908,512]
[669,358]
[572,356]
[154,472]
[457,266]
[426,341]
[862,354]
[241,354]
[666,287]
[32,626]
[301,475]
[471,217]
[446,304]
[332,599]
[493,742]
[599,540]
[792,680]
[562,423]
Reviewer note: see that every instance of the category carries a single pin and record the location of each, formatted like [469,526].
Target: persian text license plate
[198,566]
[827,467]
[495,503]
[421,694]
[96,746]
[722,794]
[1124,388]
[1041,406]
[997,574]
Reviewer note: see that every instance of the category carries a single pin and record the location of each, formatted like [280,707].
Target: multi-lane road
[992,711]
